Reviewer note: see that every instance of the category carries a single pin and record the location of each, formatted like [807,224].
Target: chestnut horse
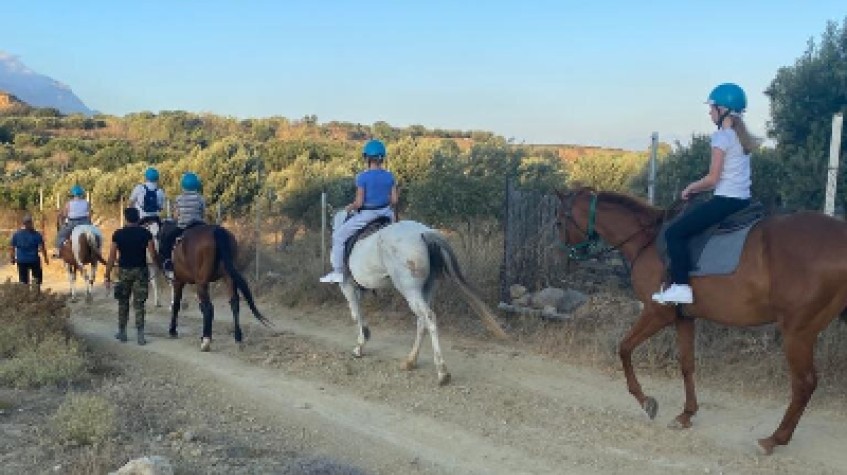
[204,255]
[792,271]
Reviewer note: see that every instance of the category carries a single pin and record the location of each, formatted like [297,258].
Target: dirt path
[507,410]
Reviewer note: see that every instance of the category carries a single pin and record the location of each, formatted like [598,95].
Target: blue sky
[593,73]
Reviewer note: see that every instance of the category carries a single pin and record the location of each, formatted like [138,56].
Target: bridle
[592,246]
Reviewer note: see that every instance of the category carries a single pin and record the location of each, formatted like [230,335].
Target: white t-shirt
[735,177]
[78,208]
[136,198]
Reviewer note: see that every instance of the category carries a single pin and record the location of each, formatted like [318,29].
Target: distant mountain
[36,89]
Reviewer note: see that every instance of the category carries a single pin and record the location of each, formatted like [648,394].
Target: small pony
[81,253]
[409,256]
[205,254]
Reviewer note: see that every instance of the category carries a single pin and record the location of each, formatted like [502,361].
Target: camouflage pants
[131,282]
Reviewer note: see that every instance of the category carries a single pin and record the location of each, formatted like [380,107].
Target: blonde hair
[748,141]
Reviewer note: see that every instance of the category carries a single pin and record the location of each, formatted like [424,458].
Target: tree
[803,99]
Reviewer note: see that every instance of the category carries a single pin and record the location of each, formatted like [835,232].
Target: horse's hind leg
[427,317]
[234,305]
[354,296]
[411,361]
[208,312]
[154,284]
[88,275]
[72,281]
[685,347]
[799,350]
[175,305]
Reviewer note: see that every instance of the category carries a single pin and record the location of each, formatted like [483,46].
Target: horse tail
[225,254]
[443,259]
[94,246]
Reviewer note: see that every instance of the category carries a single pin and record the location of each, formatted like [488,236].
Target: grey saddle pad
[717,250]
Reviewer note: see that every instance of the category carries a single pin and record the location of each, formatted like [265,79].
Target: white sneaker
[676,293]
[333,277]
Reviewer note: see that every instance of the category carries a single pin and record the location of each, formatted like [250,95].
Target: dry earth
[295,400]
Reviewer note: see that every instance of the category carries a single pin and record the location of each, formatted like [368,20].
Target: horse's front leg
[354,296]
[176,289]
[685,347]
[208,312]
[649,322]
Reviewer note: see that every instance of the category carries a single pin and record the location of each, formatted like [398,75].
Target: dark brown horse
[206,254]
[81,253]
[793,271]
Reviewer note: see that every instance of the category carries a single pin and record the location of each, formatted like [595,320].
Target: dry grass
[84,419]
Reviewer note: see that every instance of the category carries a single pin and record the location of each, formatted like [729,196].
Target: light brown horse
[81,253]
[792,271]
[206,254]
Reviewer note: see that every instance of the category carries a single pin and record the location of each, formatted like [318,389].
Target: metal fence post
[832,171]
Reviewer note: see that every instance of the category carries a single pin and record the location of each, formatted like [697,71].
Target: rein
[592,246]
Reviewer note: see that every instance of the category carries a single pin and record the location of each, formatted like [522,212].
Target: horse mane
[645,212]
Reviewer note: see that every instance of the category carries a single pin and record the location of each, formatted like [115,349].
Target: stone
[516,291]
[152,465]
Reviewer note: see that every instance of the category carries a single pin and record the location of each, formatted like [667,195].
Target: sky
[606,73]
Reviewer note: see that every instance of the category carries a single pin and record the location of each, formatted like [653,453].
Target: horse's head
[575,222]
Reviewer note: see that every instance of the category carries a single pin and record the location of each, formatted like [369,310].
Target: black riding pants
[694,222]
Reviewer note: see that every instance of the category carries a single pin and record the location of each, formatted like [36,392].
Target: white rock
[153,465]
[517,291]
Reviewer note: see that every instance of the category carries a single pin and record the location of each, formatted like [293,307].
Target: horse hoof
[680,423]
[766,446]
[366,332]
[206,344]
[173,334]
[89,299]
[357,352]
[444,379]
[408,365]
[651,407]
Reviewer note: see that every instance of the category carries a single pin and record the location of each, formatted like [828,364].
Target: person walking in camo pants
[130,246]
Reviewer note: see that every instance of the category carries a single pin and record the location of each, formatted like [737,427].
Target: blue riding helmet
[730,96]
[374,150]
[77,191]
[190,182]
[151,175]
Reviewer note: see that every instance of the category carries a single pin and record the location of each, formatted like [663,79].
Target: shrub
[84,419]
[55,359]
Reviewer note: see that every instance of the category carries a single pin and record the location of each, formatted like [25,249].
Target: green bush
[84,419]
[53,360]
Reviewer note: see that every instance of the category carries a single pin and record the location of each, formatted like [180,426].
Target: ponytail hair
[748,142]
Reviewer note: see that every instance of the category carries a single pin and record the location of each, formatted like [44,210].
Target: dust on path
[507,410]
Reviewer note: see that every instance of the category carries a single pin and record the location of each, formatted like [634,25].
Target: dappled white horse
[81,253]
[409,256]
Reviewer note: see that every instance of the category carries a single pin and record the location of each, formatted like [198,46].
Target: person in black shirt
[130,246]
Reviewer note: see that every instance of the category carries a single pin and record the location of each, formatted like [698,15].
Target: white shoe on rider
[676,293]
[333,277]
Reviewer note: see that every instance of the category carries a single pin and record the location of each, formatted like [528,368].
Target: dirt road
[506,411]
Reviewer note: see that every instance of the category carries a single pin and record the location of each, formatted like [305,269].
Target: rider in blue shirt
[376,196]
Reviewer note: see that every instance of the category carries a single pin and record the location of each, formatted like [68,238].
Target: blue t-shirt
[26,245]
[377,184]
